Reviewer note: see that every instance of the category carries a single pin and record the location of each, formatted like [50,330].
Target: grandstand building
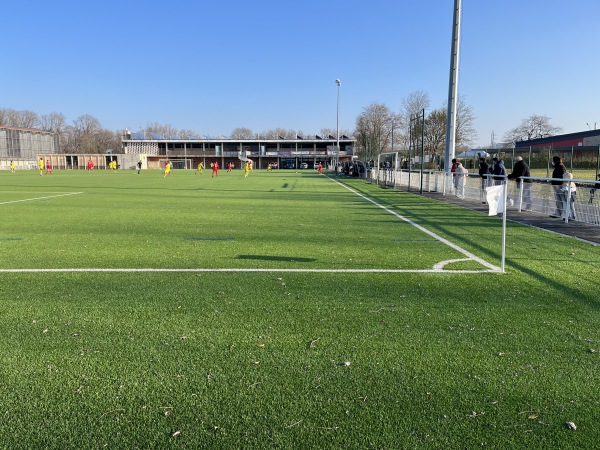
[23,145]
[279,153]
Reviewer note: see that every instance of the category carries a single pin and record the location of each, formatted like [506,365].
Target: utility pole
[453,88]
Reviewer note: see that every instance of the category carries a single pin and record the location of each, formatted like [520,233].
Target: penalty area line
[437,269]
[468,254]
[40,198]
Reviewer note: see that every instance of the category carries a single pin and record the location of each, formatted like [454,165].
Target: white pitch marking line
[468,254]
[40,198]
[238,270]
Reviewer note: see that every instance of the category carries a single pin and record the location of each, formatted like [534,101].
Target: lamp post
[337,157]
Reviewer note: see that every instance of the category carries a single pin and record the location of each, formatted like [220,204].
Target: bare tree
[53,122]
[434,138]
[373,131]
[186,134]
[87,135]
[534,127]
[412,109]
[326,132]
[19,119]
[4,116]
[465,133]
[165,130]
[278,133]
[415,103]
[86,124]
[242,133]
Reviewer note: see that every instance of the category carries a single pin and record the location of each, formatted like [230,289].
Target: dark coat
[499,169]
[521,169]
[484,168]
[558,172]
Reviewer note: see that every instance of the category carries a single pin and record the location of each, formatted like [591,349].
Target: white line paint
[40,198]
[237,270]
[468,254]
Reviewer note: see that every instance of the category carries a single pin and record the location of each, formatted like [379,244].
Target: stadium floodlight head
[338,82]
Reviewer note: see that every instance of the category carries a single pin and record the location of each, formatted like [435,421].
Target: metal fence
[581,202]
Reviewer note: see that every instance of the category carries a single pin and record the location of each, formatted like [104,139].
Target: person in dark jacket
[499,171]
[484,171]
[521,169]
[558,174]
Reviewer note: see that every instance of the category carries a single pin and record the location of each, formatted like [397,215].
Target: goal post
[178,163]
[387,166]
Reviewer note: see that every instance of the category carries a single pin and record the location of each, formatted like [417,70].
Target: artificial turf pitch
[276,342]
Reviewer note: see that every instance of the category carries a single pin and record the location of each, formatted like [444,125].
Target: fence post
[572,159]
[521,193]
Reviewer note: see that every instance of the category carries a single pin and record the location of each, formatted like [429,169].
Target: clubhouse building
[279,153]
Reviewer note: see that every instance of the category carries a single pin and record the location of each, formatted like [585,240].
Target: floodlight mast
[336,159]
[453,88]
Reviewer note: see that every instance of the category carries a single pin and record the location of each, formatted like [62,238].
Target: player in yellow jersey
[246,169]
[41,166]
[12,166]
[167,169]
[200,168]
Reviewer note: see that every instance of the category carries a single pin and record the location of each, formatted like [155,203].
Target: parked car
[303,165]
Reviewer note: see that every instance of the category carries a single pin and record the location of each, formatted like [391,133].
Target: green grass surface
[285,359]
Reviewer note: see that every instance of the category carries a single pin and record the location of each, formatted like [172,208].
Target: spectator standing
[460,174]
[499,171]
[484,171]
[557,183]
[454,177]
[521,169]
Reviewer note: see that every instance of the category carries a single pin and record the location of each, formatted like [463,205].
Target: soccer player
[320,169]
[12,166]
[90,166]
[139,166]
[167,169]
[41,166]
[246,169]
[215,169]
[200,168]
[48,167]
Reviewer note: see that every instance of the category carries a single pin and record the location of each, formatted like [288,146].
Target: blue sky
[211,67]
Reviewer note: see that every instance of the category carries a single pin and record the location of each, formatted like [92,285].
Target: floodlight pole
[452,89]
[337,157]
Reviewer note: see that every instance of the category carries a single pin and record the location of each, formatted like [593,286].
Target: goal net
[185,163]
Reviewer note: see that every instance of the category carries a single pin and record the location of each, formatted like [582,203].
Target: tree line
[377,129]
[84,135]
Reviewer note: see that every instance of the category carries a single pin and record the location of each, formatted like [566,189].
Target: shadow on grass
[276,258]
